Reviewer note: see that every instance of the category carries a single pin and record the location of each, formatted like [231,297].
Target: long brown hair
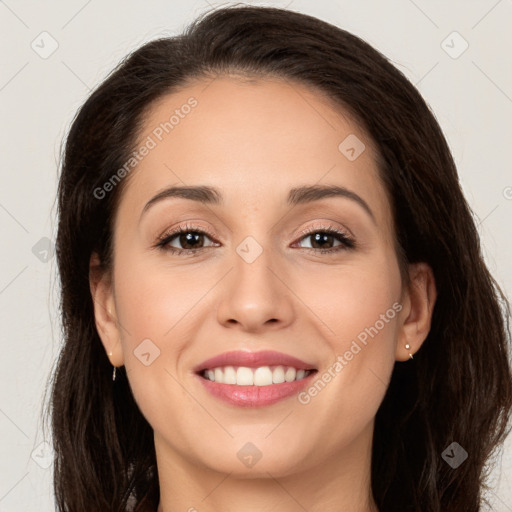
[458,388]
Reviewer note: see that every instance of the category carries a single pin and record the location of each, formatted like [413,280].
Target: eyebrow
[296,196]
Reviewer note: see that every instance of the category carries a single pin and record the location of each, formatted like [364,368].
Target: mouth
[260,376]
[254,379]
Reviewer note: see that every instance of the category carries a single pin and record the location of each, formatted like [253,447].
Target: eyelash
[347,242]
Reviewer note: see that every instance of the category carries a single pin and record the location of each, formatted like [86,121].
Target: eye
[189,239]
[323,239]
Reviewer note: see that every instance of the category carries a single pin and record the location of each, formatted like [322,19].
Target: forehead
[254,140]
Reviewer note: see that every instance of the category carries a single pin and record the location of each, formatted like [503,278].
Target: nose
[255,296]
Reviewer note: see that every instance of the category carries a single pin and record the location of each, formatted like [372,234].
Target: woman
[273,294]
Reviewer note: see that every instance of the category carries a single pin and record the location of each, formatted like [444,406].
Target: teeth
[229,375]
[262,376]
[244,376]
[290,374]
[278,375]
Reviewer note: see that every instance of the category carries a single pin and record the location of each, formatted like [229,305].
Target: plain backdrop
[53,54]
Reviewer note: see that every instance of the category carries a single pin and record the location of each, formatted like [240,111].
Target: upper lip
[253,360]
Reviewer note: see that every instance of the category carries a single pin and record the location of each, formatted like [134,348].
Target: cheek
[147,309]
[156,311]
[360,327]
[160,309]
[153,298]
[354,299]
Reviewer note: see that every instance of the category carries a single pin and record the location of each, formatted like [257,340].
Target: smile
[261,376]
[254,379]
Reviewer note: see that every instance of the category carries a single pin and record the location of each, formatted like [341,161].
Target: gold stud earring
[407,346]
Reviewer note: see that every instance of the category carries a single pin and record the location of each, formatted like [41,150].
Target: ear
[102,292]
[418,301]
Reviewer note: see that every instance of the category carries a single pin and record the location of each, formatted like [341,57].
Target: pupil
[321,238]
[187,238]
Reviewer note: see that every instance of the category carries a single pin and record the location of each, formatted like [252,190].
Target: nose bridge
[252,266]
[254,296]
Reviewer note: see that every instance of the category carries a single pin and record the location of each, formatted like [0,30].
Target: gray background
[470,92]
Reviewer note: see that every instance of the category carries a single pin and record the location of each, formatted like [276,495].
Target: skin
[254,140]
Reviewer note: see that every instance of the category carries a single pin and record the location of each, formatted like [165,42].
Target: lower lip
[255,396]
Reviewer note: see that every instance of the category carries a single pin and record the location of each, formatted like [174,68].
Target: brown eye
[328,240]
[185,239]
[190,240]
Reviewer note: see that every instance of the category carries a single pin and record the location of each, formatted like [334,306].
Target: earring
[407,346]
[114,371]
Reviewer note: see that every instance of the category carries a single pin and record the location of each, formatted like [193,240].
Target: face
[265,261]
